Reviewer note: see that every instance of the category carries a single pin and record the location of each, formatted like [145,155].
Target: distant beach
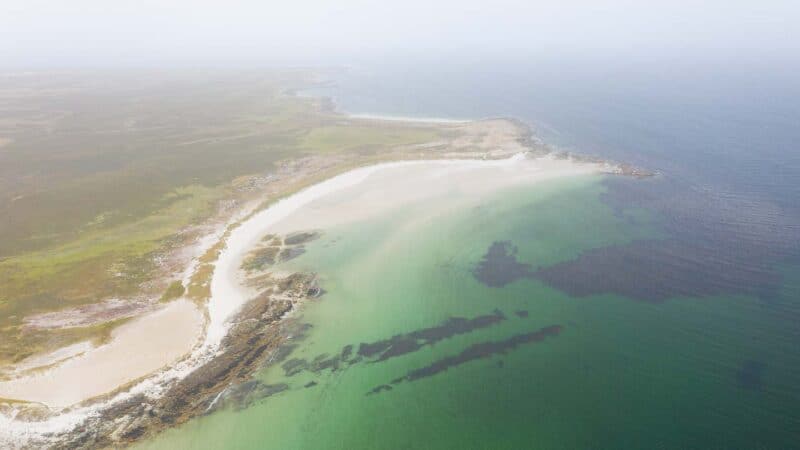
[409,119]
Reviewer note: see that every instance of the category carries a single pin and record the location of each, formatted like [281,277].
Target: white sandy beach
[158,339]
[366,192]
[136,349]
[396,185]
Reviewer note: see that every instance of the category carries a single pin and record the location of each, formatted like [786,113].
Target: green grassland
[99,173]
[362,138]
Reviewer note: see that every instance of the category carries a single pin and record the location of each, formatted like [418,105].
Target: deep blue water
[724,138]
[735,129]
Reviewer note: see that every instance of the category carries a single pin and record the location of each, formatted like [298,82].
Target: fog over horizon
[97,33]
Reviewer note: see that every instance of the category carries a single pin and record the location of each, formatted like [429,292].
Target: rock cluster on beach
[254,337]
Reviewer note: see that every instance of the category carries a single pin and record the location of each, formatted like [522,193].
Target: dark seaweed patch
[381,388]
[370,349]
[291,253]
[242,395]
[658,270]
[282,353]
[401,347]
[479,351]
[346,352]
[402,344]
[499,265]
[395,346]
[322,362]
[710,249]
[317,365]
[750,374]
[294,366]
[715,245]
[301,237]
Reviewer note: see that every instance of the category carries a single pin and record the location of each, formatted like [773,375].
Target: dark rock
[301,237]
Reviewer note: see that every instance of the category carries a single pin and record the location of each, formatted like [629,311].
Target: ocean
[594,312]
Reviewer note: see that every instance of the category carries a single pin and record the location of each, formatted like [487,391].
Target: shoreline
[406,119]
[131,353]
[238,234]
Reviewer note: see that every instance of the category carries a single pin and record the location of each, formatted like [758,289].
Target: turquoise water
[419,343]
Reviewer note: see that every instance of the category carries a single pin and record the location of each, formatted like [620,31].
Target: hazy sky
[108,32]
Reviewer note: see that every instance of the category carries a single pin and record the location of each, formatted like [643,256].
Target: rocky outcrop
[256,336]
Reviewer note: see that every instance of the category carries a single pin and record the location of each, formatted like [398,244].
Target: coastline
[131,353]
[407,119]
[235,238]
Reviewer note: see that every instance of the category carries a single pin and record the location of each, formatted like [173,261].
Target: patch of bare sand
[397,185]
[138,348]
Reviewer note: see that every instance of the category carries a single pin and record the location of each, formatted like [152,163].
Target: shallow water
[416,344]
[602,313]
